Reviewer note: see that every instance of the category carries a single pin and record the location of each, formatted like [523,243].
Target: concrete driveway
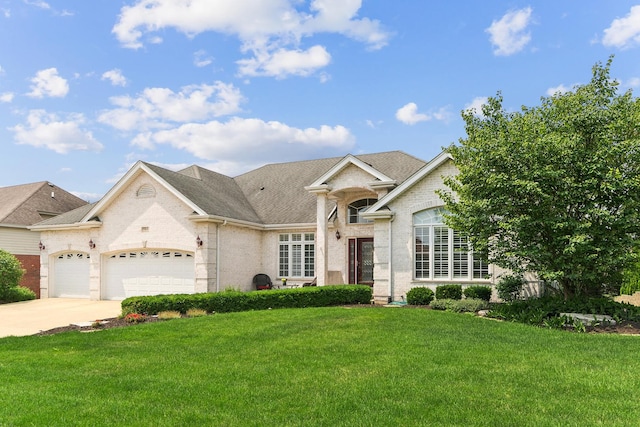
[31,317]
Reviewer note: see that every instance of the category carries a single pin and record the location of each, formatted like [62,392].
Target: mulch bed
[623,328]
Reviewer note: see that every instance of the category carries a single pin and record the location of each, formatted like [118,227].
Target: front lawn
[321,367]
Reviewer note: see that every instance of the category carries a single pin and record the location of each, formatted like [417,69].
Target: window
[296,255]
[356,207]
[443,253]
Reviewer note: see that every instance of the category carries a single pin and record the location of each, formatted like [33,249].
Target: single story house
[370,219]
[25,205]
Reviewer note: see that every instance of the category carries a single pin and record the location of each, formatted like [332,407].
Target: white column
[321,239]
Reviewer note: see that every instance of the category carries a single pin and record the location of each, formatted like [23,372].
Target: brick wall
[31,278]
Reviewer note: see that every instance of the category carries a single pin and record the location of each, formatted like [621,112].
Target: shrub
[510,287]
[441,304]
[10,274]
[469,305]
[169,314]
[478,292]
[229,301]
[196,312]
[449,292]
[419,296]
[542,311]
[17,294]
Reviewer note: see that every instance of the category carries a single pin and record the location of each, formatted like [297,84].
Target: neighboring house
[371,219]
[25,205]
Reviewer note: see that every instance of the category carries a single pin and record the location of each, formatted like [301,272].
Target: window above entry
[354,209]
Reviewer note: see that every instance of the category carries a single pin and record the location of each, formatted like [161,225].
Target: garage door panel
[71,275]
[137,273]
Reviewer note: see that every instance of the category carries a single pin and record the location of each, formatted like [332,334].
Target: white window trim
[290,262]
[450,261]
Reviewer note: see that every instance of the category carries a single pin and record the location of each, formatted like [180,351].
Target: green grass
[321,367]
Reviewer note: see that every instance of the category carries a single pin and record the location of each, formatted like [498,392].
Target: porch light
[41,246]
[92,245]
[338,234]
[199,242]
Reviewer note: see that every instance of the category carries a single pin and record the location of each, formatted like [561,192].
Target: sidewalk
[31,317]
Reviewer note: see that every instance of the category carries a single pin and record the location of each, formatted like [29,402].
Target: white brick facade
[233,251]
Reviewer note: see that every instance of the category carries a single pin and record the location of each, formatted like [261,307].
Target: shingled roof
[272,194]
[28,204]
[276,191]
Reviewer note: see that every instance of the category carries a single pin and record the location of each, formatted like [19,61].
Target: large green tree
[553,189]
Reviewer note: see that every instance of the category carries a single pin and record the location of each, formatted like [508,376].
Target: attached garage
[71,275]
[136,273]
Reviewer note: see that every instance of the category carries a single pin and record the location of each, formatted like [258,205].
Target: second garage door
[136,273]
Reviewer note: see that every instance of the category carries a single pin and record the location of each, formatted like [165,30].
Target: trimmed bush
[510,287]
[10,274]
[449,292]
[419,296]
[17,294]
[230,301]
[478,292]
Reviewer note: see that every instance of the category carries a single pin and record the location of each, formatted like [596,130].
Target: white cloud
[560,89]
[624,32]
[633,82]
[2,72]
[409,115]
[249,141]
[161,107]
[201,59]
[283,63]
[89,197]
[6,97]
[60,135]
[270,30]
[509,34]
[115,77]
[6,13]
[48,83]
[476,105]
[38,3]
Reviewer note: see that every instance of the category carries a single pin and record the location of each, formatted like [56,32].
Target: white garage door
[129,274]
[71,275]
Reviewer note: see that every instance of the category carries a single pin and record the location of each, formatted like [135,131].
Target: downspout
[391,260]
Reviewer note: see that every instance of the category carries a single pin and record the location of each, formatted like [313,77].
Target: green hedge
[478,292]
[17,294]
[449,292]
[419,296]
[229,301]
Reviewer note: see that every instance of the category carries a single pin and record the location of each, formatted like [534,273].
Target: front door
[361,261]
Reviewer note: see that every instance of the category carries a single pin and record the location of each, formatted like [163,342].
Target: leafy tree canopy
[553,189]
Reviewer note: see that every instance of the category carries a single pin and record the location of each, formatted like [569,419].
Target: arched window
[441,252]
[356,207]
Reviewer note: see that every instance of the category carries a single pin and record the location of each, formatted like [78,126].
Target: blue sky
[87,88]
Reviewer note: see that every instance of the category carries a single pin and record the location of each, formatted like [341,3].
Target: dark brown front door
[361,261]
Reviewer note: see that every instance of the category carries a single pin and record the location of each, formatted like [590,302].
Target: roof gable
[137,169]
[378,208]
[343,164]
[28,204]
